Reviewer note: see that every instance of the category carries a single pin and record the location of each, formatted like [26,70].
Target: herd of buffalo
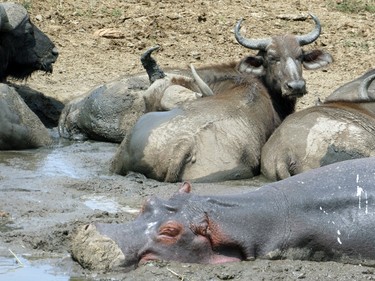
[215,123]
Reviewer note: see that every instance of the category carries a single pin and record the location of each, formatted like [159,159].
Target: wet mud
[47,193]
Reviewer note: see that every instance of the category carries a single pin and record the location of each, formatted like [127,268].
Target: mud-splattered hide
[23,47]
[20,128]
[109,111]
[219,137]
[210,139]
[340,128]
[323,214]
[278,64]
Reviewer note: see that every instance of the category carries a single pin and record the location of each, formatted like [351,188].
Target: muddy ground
[46,193]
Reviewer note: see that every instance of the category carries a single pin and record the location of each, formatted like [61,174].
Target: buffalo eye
[272,59]
[29,29]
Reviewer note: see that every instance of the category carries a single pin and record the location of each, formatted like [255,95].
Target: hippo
[324,214]
[340,128]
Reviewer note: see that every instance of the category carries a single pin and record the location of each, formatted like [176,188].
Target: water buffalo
[340,128]
[23,47]
[220,137]
[20,128]
[323,214]
[109,111]
[106,112]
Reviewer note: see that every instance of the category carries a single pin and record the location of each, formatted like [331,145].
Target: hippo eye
[169,233]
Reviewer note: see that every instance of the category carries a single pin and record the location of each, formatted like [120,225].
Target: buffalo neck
[284,106]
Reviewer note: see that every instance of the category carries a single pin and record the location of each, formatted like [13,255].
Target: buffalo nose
[55,51]
[297,86]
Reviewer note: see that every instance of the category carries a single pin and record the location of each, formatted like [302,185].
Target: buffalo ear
[185,187]
[316,59]
[252,64]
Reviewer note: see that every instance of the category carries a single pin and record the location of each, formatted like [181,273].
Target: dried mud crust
[199,32]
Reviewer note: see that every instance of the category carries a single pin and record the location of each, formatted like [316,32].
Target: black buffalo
[23,47]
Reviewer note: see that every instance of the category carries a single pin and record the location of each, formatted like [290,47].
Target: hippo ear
[185,187]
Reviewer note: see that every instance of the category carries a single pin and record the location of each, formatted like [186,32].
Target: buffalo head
[23,47]
[280,59]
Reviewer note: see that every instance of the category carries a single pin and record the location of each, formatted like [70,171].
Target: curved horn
[363,88]
[152,68]
[205,89]
[12,14]
[4,21]
[313,35]
[254,44]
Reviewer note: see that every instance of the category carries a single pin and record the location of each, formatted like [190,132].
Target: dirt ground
[46,193]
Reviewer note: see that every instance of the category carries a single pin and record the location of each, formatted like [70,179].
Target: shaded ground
[45,193]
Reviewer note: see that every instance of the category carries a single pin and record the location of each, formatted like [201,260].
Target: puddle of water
[11,270]
[73,160]
[103,203]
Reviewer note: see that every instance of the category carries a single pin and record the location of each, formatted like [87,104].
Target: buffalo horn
[363,89]
[4,22]
[313,35]
[205,89]
[152,68]
[254,44]
[12,14]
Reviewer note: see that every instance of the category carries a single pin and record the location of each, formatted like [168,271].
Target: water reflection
[73,160]
[103,203]
[12,270]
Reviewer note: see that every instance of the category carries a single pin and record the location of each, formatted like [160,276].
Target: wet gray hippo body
[340,128]
[323,214]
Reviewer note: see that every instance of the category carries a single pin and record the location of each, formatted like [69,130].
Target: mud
[46,193]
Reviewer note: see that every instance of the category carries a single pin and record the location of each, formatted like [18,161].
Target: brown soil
[42,202]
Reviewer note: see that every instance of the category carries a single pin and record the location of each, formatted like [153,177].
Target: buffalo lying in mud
[340,128]
[109,111]
[323,214]
[20,128]
[98,114]
[23,50]
[220,136]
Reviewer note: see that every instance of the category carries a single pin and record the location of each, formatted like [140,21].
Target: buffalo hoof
[95,251]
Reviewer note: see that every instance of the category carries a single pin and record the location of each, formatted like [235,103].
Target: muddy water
[45,193]
[31,199]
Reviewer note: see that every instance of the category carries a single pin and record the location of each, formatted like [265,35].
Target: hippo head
[23,47]
[177,229]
